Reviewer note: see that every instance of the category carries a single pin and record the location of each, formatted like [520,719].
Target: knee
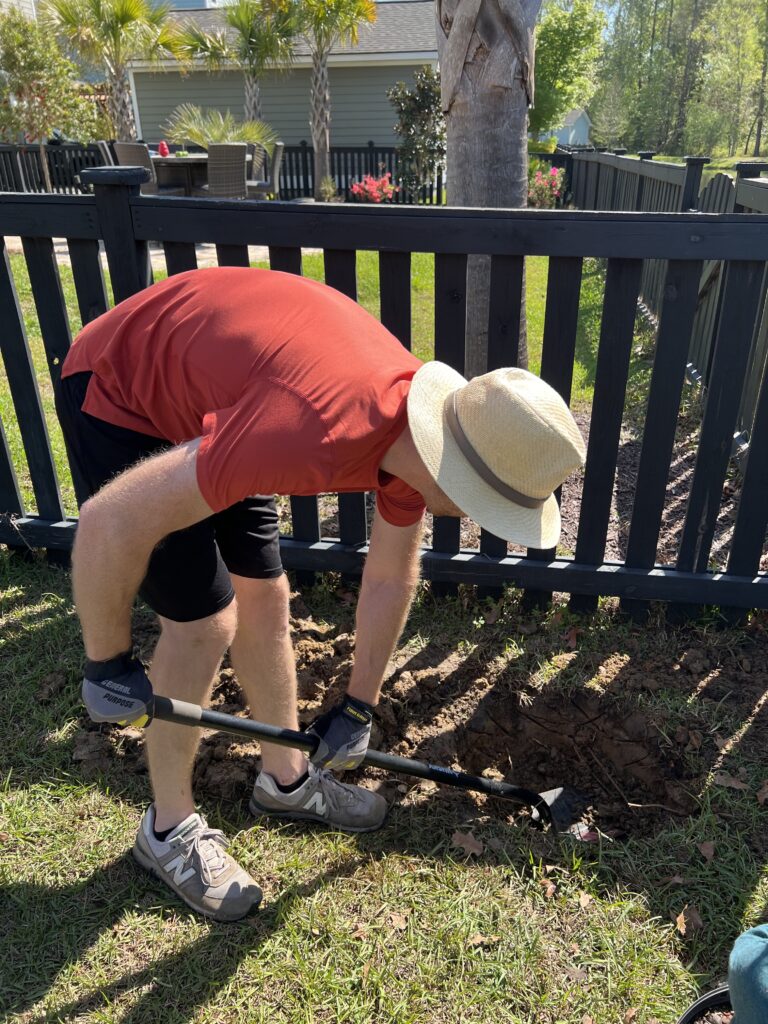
[212,635]
[264,605]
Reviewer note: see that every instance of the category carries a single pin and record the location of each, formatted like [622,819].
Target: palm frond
[201,127]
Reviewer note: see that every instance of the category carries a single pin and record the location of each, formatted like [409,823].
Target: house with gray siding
[389,50]
[25,6]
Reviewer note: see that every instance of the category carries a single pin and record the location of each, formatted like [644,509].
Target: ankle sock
[292,786]
[162,836]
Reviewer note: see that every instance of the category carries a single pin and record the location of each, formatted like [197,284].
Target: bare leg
[184,665]
[262,657]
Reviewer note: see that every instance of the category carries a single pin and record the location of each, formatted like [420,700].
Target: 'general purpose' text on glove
[343,734]
[118,691]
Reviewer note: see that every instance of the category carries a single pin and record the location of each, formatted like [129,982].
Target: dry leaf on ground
[707,850]
[467,842]
[398,921]
[584,900]
[762,793]
[630,1015]
[548,886]
[724,779]
[688,920]
[483,940]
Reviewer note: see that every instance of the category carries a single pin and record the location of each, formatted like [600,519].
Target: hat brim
[529,527]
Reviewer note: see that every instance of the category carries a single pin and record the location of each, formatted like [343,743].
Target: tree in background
[568,45]
[486,54]
[39,90]
[108,34]
[685,76]
[324,24]
[254,35]
[420,125]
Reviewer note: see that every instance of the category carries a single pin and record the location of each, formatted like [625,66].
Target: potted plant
[718,999]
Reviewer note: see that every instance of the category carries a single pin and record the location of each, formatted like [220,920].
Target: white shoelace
[208,845]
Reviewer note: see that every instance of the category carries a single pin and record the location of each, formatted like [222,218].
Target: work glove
[118,691]
[343,733]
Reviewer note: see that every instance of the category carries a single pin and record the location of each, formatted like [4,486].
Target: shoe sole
[150,865]
[257,811]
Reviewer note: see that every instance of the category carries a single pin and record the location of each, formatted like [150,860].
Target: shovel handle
[182,713]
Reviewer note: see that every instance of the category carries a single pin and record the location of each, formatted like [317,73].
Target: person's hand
[343,733]
[118,691]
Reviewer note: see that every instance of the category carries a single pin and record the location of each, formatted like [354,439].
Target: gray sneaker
[194,862]
[322,798]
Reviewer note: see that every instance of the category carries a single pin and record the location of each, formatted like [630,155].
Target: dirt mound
[600,728]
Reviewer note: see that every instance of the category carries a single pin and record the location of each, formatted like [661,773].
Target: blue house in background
[575,130]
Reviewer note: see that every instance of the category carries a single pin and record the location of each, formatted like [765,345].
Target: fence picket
[395,292]
[341,273]
[20,372]
[668,375]
[741,291]
[622,286]
[180,257]
[232,256]
[561,321]
[49,300]
[752,515]
[88,276]
[450,331]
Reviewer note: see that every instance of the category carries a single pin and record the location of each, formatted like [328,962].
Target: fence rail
[118,217]
[609,181]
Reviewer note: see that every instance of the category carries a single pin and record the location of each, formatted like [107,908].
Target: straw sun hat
[498,446]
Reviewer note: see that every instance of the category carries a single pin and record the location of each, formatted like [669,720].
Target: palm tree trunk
[252,97]
[121,107]
[320,118]
[486,100]
[44,168]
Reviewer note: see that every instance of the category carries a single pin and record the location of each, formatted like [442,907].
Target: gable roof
[401,26]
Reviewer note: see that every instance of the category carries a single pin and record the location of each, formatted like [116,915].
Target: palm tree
[324,24]
[255,35]
[109,34]
[202,126]
[486,79]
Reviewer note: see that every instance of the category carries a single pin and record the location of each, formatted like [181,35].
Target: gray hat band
[482,469]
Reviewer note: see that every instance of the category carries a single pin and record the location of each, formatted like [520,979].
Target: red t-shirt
[293,387]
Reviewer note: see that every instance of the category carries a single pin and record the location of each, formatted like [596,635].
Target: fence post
[128,259]
[747,169]
[644,154]
[694,165]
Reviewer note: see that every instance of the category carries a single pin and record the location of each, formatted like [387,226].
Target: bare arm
[118,530]
[390,577]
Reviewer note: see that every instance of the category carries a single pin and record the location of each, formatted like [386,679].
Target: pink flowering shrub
[545,187]
[374,190]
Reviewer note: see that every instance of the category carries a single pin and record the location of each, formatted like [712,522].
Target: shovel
[554,807]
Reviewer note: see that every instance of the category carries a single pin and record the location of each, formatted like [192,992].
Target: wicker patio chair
[263,189]
[136,154]
[226,171]
[257,162]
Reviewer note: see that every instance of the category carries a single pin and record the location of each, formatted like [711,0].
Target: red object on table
[162,148]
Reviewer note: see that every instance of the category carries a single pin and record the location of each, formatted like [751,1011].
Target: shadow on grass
[54,926]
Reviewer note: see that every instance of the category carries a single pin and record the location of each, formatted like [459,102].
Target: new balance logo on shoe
[316,803]
[177,865]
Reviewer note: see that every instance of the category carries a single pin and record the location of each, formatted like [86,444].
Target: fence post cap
[697,160]
[646,154]
[619,152]
[114,175]
[750,168]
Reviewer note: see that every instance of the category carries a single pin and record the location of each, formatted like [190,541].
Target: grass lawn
[403,925]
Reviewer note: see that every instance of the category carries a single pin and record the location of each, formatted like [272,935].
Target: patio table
[188,172]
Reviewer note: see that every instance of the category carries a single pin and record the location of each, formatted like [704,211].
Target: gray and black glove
[118,691]
[344,734]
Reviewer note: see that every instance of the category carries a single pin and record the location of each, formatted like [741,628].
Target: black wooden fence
[125,222]
[610,181]
[350,164]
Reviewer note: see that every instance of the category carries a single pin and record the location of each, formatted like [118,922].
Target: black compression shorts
[188,575]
